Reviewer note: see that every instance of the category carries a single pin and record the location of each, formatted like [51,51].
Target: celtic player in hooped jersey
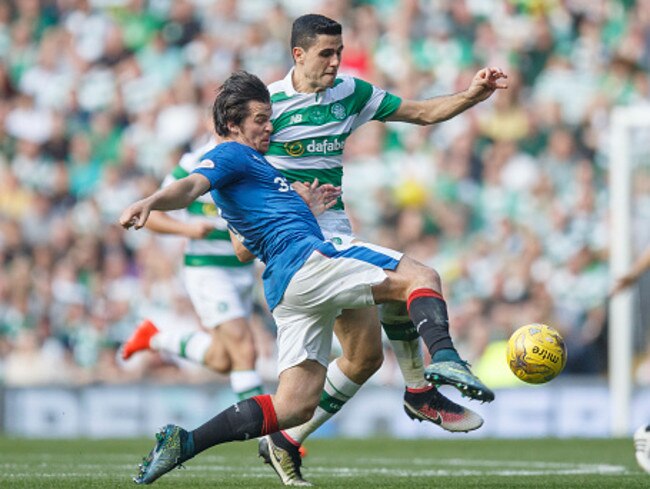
[310,129]
[309,134]
[314,111]
[308,281]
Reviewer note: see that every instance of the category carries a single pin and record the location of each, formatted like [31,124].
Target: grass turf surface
[374,463]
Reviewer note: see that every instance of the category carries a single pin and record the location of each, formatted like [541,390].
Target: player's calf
[427,310]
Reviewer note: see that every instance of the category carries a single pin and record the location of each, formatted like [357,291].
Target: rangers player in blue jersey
[308,280]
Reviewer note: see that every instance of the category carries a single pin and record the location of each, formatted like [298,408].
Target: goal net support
[626,122]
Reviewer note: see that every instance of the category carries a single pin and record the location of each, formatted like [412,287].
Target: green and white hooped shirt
[216,249]
[310,129]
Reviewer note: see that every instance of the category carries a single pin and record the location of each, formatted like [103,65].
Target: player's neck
[301,84]
[237,139]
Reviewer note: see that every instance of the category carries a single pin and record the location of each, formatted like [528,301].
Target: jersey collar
[290,90]
[288,84]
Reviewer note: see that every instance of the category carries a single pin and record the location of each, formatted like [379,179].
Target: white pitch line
[501,470]
[472,468]
[350,472]
[435,462]
[344,472]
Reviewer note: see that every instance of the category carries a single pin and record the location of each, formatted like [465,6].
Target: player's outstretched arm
[163,223]
[438,109]
[178,195]
[630,278]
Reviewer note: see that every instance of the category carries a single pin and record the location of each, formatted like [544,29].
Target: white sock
[409,358]
[337,391]
[405,341]
[246,383]
[192,344]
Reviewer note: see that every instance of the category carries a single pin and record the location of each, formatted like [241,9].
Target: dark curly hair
[231,103]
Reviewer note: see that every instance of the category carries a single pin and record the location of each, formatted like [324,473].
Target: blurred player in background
[220,287]
[314,111]
[640,266]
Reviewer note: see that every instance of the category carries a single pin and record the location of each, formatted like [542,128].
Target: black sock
[239,422]
[428,311]
[280,440]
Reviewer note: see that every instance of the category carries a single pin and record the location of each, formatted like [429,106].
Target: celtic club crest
[338,111]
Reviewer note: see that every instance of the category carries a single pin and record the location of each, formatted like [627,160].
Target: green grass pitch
[340,463]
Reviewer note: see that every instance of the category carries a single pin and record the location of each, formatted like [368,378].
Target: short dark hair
[231,103]
[306,28]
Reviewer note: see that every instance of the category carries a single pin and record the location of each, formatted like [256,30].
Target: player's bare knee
[422,276]
[218,362]
[220,367]
[244,359]
[432,277]
[243,354]
[237,341]
[236,332]
[248,356]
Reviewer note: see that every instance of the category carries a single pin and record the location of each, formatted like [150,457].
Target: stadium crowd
[99,99]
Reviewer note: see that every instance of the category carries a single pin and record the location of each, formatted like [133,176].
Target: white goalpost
[624,122]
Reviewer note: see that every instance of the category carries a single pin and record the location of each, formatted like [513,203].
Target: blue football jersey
[277,226]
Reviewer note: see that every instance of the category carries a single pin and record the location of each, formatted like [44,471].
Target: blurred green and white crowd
[509,201]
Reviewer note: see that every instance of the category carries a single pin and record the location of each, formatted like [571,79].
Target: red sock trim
[270,424]
[417,293]
[419,390]
[289,439]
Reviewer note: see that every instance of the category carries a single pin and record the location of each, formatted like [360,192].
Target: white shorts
[335,226]
[317,294]
[220,294]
